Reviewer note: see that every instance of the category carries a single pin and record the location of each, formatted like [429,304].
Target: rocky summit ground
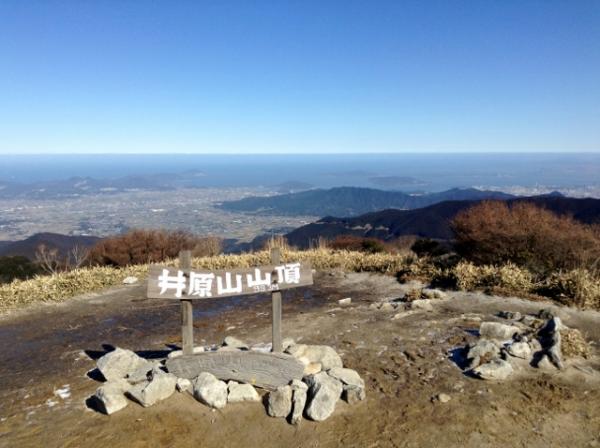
[417,393]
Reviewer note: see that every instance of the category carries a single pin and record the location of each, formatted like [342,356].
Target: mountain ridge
[351,201]
[429,222]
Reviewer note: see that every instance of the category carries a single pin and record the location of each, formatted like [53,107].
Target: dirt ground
[48,350]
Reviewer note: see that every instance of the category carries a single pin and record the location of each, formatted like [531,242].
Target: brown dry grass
[573,344]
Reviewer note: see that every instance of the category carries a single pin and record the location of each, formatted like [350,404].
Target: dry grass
[509,277]
[578,287]
[62,286]
[573,344]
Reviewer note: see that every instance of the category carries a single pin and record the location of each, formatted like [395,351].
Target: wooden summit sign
[186,284]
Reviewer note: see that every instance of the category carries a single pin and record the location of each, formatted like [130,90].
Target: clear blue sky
[299,76]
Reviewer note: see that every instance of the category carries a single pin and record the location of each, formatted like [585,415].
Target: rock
[287,342]
[210,391]
[496,369]
[228,348]
[184,385]
[119,363]
[161,386]
[130,280]
[519,350]
[386,306]
[176,353]
[299,394]
[510,315]
[443,398]
[323,354]
[141,374]
[348,377]
[552,330]
[530,321]
[353,394]
[346,301]
[324,392]
[421,304]
[353,385]
[263,347]
[535,345]
[482,351]
[495,330]
[280,402]
[312,368]
[110,396]
[545,314]
[431,293]
[241,392]
[231,341]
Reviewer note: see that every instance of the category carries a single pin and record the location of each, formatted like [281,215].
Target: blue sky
[299,76]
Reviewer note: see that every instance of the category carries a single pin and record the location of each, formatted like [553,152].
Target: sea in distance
[403,171]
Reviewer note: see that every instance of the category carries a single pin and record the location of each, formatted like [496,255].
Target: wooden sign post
[276,306]
[186,284]
[187,312]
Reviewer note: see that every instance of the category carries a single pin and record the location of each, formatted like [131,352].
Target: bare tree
[48,259]
[78,255]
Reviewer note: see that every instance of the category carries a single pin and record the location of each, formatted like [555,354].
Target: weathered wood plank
[187,312]
[226,283]
[276,307]
[266,370]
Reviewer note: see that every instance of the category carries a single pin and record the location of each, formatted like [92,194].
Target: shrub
[578,287]
[16,267]
[149,246]
[537,239]
[357,243]
[427,247]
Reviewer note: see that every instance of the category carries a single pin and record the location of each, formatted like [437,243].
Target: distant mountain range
[430,222]
[351,201]
[29,246]
[81,186]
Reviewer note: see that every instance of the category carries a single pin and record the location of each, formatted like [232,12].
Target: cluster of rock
[414,300]
[325,381]
[502,346]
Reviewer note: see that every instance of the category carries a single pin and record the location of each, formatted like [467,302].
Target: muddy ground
[48,350]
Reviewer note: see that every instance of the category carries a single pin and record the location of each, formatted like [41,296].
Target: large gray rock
[210,390]
[496,369]
[299,394]
[495,330]
[241,392]
[353,385]
[111,396]
[233,342]
[482,350]
[279,403]
[421,304]
[353,394]
[346,376]
[519,350]
[161,386]
[119,363]
[552,329]
[322,354]
[323,394]
[184,385]
[141,374]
